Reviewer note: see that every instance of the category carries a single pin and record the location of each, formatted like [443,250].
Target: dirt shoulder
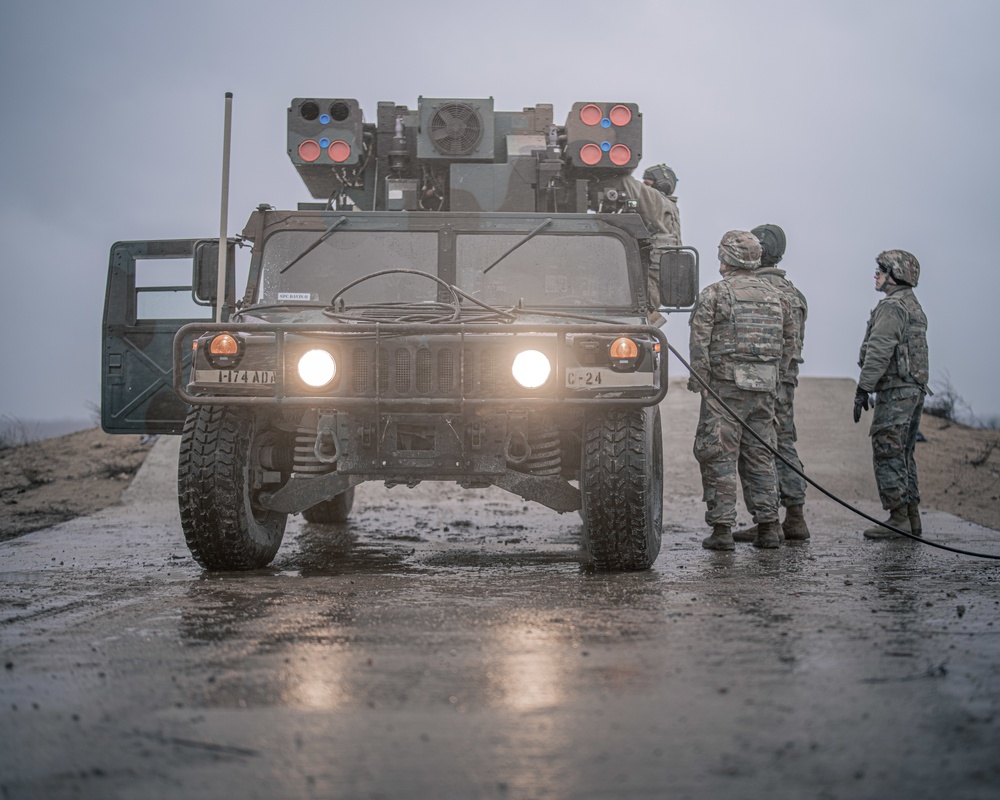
[50,481]
[959,470]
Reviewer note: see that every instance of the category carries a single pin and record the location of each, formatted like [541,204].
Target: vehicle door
[152,290]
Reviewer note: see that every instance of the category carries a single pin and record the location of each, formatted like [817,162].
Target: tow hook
[327,448]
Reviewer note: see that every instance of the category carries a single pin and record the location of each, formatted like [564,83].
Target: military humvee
[464,301]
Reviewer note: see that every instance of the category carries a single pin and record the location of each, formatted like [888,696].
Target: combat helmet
[664,179]
[902,266]
[740,249]
[772,244]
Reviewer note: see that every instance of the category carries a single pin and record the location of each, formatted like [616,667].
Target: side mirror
[679,278]
[205,278]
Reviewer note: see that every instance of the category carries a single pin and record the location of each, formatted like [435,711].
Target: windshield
[344,257]
[548,270]
[551,269]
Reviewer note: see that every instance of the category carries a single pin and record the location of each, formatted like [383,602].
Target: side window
[163,290]
[163,287]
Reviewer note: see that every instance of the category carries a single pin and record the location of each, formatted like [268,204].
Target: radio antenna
[220,287]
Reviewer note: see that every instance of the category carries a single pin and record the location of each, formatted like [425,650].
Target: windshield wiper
[322,238]
[531,235]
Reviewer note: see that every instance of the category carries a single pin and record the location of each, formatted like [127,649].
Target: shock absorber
[545,457]
[537,452]
[316,448]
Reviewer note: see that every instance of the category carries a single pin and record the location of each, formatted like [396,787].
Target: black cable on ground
[813,483]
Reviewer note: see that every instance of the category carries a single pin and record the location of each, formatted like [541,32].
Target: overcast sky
[856,126]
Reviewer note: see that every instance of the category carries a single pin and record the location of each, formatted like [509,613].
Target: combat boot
[913,512]
[768,535]
[745,534]
[721,539]
[794,526]
[897,518]
[749,534]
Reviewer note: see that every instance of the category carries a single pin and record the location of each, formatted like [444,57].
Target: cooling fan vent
[455,129]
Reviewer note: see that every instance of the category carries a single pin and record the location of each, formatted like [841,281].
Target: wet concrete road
[449,644]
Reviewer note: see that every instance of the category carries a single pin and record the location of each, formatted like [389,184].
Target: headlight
[317,368]
[531,369]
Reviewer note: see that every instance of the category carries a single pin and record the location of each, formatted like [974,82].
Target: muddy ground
[446,643]
[53,480]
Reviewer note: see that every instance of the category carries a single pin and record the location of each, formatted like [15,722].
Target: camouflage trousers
[724,449]
[654,317]
[791,485]
[894,435]
[660,240]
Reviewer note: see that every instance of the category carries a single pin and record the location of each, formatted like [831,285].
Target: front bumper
[446,368]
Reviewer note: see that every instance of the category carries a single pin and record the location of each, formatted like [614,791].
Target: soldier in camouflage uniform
[664,208]
[742,338]
[657,205]
[791,485]
[894,365]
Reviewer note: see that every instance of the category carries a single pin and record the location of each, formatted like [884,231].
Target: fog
[856,126]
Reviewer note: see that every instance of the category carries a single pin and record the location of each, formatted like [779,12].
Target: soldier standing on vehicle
[742,338]
[894,364]
[657,205]
[791,485]
[663,209]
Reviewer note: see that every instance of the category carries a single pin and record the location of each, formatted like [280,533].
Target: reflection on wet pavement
[465,648]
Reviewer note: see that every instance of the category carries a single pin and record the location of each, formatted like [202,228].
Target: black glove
[861,400]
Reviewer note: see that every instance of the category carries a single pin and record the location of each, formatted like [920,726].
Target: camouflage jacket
[742,330]
[799,309]
[894,351]
[659,212]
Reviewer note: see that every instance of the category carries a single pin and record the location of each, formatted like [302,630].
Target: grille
[404,371]
[360,382]
[488,373]
[430,371]
[446,371]
[424,374]
[468,375]
[383,373]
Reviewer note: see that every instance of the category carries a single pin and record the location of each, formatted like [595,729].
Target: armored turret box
[460,155]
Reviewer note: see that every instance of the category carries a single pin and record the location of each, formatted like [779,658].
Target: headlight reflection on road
[319,680]
[528,676]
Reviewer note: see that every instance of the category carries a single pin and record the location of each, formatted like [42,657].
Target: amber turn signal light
[224,350]
[223,345]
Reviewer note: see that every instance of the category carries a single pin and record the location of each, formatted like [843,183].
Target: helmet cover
[740,249]
[901,265]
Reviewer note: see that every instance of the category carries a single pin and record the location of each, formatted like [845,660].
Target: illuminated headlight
[317,368]
[531,369]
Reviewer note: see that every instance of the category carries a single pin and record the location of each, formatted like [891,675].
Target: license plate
[598,378]
[236,377]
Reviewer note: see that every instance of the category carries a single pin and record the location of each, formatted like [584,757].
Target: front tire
[224,526]
[336,509]
[622,489]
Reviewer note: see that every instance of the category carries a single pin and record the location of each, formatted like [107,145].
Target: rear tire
[224,526]
[622,489]
[336,509]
